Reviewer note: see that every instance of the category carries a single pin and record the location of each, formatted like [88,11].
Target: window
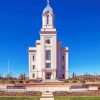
[48,65]
[63,58]
[33,66]
[33,75]
[47,19]
[33,57]
[48,41]
[48,55]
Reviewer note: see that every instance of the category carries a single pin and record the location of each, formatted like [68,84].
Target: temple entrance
[48,76]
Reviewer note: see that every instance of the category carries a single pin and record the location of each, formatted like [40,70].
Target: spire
[48,2]
[48,8]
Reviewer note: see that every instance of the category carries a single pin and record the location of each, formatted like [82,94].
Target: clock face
[48,41]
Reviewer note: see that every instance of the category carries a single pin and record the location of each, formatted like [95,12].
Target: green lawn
[19,98]
[77,98]
[56,98]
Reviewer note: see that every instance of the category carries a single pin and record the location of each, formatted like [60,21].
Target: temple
[48,60]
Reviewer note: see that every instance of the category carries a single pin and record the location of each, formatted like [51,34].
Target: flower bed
[29,93]
[87,93]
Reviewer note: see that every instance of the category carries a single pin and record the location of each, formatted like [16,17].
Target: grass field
[19,98]
[56,98]
[77,98]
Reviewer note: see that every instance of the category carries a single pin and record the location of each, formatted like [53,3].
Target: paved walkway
[47,96]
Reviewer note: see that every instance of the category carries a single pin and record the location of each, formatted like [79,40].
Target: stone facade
[48,60]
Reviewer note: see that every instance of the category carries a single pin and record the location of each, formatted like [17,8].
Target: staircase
[47,96]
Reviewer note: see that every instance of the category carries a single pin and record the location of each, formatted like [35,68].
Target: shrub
[82,80]
[74,81]
[66,81]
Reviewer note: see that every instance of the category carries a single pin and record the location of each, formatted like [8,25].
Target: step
[46,98]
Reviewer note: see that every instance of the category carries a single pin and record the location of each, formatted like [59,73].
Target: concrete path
[47,96]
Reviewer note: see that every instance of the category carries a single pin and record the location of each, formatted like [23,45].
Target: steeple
[48,16]
[48,8]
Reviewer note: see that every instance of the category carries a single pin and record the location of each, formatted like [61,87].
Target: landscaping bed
[87,93]
[22,94]
[19,98]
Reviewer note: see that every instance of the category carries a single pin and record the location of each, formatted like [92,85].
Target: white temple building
[48,60]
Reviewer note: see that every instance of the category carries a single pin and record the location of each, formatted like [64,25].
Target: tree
[73,75]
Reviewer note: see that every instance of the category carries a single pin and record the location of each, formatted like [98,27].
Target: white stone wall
[32,52]
[53,49]
[50,88]
[38,60]
[93,88]
[57,63]
[84,89]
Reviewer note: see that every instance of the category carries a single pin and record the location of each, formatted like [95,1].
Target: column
[66,63]
[54,75]
[43,75]
[51,75]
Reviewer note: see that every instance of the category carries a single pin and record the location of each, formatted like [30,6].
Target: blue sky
[77,23]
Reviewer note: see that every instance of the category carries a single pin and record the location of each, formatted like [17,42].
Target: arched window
[47,19]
